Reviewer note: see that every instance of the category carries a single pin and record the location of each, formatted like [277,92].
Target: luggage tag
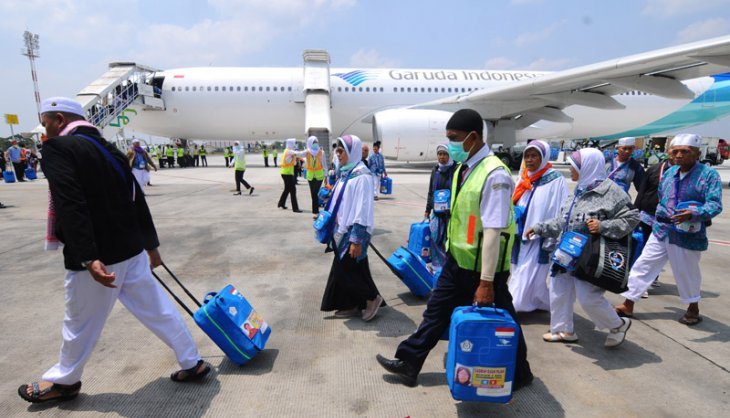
[569,250]
[689,227]
[441,200]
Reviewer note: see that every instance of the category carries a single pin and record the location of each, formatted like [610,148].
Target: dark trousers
[203,160]
[266,161]
[19,170]
[239,180]
[197,160]
[274,161]
[314,186]
[290,187]
[161,162]
[456,287]
[171,161]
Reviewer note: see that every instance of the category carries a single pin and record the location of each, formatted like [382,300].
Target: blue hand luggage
[232,323]
[386,185]
[30,174]
[419,240]
[482,354]
[9,176]
[228,319]
[412,271]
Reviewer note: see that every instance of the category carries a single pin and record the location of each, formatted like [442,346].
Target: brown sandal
[192,374]
[690,320]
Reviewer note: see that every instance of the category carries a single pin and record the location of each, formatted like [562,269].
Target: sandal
[560,337]
[57,391]
[623,314]
[690,320]
[192,374]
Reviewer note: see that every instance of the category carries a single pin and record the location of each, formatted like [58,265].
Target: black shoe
[2,206]
[297,210]
[399,368]
[525,381]
[250,192]
[237,194]
[283,207]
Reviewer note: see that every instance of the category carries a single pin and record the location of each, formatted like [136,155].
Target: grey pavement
[318,366]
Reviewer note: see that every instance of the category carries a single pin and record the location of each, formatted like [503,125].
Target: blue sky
[79,38]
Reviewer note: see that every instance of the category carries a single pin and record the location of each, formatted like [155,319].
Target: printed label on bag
[253,324]
[489,381]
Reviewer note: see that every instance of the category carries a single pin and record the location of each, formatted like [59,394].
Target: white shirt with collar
[496,194]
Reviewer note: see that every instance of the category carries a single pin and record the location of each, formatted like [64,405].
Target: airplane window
[267,88]
[423,89]
[449,90]
[222,88]
[409,89]
[360,89]
[194,88]
[276,88]
[402,89]
[173,88]
[463,89]
[261,88]
[230,88]
[216,88]
[367,89]
[289,88]
[208,88]
[187,88]
[395,89]
[245,88]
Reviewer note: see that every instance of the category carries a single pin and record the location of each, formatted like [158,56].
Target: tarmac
[315,365]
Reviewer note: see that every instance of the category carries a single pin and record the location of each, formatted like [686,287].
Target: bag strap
[114,162]
[339,198]
[174,296]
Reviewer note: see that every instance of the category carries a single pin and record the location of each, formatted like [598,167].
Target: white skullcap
[628,141]
[690,140]
[135,141]
[237,143]
[62,104]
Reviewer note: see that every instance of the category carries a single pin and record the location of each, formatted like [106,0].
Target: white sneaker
[645,295]
[617,335]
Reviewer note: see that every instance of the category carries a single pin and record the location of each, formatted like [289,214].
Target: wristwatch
[86,263]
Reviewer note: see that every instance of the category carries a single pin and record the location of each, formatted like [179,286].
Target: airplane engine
[410,134]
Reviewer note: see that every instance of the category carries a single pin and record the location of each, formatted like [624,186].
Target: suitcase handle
[174,296]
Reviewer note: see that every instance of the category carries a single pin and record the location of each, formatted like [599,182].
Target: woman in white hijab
[288,161]
[350,289]
[537,198]
[599,206]
[440,182]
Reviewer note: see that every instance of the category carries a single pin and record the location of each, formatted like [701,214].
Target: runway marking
[726,243]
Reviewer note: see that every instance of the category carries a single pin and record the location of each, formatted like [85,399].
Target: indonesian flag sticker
[504,332]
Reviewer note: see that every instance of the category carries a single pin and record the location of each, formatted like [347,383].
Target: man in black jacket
[110,243]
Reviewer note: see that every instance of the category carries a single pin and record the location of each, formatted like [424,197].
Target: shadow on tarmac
[717,331]
[532,401]
[262,364]
[159,398]
[389,323]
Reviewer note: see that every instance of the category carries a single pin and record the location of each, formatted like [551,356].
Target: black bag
[606,262]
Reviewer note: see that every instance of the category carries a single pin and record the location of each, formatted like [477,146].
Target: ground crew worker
[203,156]
[239,166]
[476,270]
[170,156]
[287,174]
[16,159]
[316,167]
[180,156]
[274,153]
[196,156]
[266,157]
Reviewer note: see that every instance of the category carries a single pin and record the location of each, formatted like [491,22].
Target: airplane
[407,109]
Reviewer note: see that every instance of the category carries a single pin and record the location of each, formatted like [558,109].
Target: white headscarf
[291,143]
[445,148]
[310,141]
[353,148]
[591,166]
[543,148]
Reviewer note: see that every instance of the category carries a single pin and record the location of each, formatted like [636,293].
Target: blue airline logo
[357,77]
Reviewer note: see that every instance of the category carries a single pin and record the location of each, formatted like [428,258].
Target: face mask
[348,166]
[456,150]
[315,147]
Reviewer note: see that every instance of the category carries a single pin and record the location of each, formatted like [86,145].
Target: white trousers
[685,266]
[376,185]
[88,305]
[142,176]
[563,290]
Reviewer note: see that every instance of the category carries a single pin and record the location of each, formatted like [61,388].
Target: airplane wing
[658,72]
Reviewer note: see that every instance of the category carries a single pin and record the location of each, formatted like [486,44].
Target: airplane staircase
[107,100]
[317,103]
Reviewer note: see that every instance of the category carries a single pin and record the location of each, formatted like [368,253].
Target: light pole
[31,51]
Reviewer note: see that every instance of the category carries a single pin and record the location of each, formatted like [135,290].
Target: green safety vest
[180,152]
[266,153]
[275,153]
[202,151]
[464,239]
[169,152]
[239,163]
[287,168]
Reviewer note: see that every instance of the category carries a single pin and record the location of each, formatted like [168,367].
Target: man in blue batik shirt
[376,163]
[623,169]
[690,195]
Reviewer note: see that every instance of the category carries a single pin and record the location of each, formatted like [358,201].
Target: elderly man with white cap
[690,195]
[624,169]
[110,244]
[140,162]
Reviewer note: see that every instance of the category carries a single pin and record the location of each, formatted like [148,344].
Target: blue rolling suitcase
[412,271]
[482,354]
[386,185]
[228,319]
[9,176]
[30,174]
[419,240]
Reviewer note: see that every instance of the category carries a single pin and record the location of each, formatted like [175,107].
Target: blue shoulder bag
[324,225]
